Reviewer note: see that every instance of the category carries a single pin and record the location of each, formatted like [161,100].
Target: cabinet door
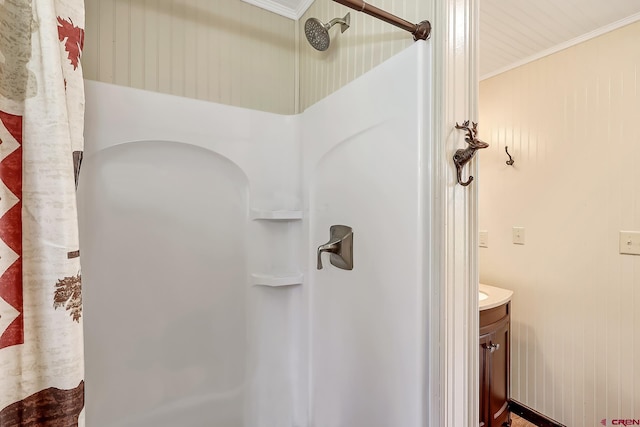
[485,341]
[498,353]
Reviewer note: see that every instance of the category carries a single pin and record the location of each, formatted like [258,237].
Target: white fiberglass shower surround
[199,229]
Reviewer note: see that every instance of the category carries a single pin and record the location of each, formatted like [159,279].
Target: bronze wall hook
[510,162]
[464,155]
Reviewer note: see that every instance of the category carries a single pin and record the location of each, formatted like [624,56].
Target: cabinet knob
[492,347]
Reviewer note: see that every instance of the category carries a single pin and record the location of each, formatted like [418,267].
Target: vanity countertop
[491,297]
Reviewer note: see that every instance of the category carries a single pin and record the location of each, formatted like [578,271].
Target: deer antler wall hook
[464,155]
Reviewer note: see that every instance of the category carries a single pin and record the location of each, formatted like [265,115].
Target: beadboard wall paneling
[367,43]
[570,121]
[224,51]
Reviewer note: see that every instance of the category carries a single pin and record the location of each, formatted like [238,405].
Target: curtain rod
[420,31]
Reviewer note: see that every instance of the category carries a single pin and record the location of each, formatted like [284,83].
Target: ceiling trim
[580,39]
[274,6]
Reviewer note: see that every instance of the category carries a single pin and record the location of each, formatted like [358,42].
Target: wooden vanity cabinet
[495,334]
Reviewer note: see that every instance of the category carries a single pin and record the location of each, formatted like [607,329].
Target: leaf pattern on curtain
[74,39]
[69,292]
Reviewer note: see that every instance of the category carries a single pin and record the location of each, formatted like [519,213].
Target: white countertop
[494,296]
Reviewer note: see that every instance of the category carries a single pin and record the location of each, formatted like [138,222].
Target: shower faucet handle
[340,246]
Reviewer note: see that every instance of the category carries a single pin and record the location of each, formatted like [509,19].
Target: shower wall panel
[365,164]
[174,333]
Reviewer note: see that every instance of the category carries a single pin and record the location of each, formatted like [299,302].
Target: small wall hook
[464,155]
[510,162]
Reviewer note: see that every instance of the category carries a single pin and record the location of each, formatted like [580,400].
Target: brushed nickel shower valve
[340,246]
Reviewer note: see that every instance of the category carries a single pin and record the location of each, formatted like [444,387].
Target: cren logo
[622,422]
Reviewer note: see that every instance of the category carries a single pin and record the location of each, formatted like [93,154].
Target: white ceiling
[513,32]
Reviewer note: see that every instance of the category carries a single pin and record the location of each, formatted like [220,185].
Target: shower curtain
[41,126]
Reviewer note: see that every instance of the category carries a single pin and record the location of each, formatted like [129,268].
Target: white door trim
[452,386]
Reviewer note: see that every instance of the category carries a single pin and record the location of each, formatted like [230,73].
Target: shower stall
[200,226]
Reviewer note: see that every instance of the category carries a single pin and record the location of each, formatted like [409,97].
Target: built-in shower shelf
[260,214]
[275,280]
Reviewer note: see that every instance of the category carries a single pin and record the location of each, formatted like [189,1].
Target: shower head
[318,33]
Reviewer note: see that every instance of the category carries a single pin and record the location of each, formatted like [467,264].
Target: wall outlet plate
[630,242]
[518,235]
[483,238]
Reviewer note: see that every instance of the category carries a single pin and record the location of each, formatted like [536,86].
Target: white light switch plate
[630,242]
[518,235]
[483,238]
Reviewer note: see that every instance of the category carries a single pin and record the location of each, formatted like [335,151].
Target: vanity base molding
[532,415]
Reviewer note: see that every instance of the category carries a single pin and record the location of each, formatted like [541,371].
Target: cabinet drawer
[493,315]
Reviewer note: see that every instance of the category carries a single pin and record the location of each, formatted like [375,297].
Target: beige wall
[225,51]
[363,46]
[231,52]
[571,123]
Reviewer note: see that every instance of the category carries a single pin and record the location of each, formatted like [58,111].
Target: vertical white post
[453,379]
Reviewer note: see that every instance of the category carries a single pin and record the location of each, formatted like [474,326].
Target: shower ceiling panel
[515,31]
[293,9]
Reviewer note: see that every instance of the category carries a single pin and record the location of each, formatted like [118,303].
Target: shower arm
[420,31]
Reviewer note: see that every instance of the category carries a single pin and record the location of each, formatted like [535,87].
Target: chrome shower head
[318,33]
